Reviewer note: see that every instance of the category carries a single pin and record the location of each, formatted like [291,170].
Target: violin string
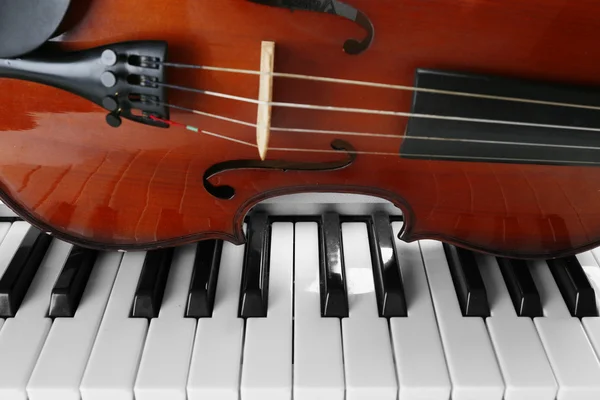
[253,145]
[365,134]
[277,129]
[205,114]
[375,153]
[381,85]
[376,112]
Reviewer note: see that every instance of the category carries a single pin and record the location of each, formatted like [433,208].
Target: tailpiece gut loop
[351,46]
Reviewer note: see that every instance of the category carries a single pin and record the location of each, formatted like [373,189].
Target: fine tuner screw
[113,119]
[111,104]
[108,58]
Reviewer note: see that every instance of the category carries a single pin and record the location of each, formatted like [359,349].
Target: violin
[141,125]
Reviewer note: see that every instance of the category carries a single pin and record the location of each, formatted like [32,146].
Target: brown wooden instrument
[139,186]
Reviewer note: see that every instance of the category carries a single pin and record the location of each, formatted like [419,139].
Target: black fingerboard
[442,139]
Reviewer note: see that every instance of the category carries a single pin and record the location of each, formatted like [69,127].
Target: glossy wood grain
[65,170]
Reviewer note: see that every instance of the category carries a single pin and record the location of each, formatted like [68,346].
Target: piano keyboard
[339,309]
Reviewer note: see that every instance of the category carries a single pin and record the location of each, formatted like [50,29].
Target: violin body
[141,187]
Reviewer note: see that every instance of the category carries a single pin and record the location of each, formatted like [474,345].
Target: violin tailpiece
[124,78]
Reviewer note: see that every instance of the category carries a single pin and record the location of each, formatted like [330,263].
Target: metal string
[373,112]
[369,134]
[375,153]
[380,85]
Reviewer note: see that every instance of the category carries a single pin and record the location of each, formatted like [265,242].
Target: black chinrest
[27,24]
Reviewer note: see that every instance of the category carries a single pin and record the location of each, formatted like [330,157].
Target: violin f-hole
[226,192]
[351,46]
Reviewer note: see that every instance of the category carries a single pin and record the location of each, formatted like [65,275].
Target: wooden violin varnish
[482,127]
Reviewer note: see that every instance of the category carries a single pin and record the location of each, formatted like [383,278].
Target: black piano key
[468,283]
[521,287]
[334,297]
[391,301]
[151,286]
[255,274]
[201,295]
[574,286]
[20,272]
[71,282]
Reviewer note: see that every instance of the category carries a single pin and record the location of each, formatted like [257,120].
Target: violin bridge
[265,95]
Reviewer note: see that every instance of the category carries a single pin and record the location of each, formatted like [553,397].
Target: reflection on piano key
[334,297]
[62,362]
[417,337]
[114,360]
[469,353]
[591,268]
[524,294]
[318,360]
[22,337]
[20,272]
[576,367]
[525,368]
[267,366]
[368,359]
[574,286]
[255,275]
[217,352]
[71,282]
[467,282]
[151,285]
[386,271]
[7,215]
[201,295]
[165,359]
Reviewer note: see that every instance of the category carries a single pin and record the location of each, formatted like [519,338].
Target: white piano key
[596,253]
[6,212]
[22,337]
[216,359]
[11,241]
[587,260]
[267,367]
[420,362]
[523,361]
[368,359]
[592,324]
[4,227]
[217,354]
[37,300]
[472,364]
[591,267]
[318,361]
[165,360]
[60,367]
[362,299]
[227,294]
[114,360]
[553,303]
[307,301]
[575,365]
[21,341]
